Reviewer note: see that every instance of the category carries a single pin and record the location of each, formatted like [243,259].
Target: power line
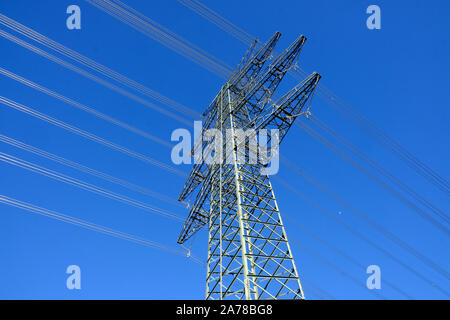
[352,148]
[218,20]
[388,188]
[155,31]
[93,77]
[386,233]
[335,267]
[80,106]
[319,292]
[90,136]
[114,75]
[383,139]
[343,254]
[6,158]
[90,171]
[363,237]
[91,226]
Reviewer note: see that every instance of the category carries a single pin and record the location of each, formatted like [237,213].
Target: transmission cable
[91,226]
[90,171]
[361,215]
[90,136]
[387,187]
[363,237]
[80,106]
[6,158]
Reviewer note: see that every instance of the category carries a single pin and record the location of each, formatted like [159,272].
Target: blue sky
[396,77]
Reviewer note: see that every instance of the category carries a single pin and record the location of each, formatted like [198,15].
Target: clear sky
[396,76]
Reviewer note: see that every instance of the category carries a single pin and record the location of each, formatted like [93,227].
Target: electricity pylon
[249,256]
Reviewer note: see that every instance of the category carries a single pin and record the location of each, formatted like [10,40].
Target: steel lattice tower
[249,256]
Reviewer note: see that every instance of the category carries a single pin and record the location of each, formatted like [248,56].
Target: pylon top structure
[248,252]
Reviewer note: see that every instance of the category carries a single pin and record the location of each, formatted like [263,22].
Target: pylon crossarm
[264,86]
[291,104]
[247,70]
[196,177]
[198,216]
[288,108]
[241,76]
[246,57]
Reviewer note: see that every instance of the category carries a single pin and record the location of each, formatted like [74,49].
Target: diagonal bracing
[249,256]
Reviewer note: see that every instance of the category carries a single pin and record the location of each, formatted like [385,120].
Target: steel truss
[248,251]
